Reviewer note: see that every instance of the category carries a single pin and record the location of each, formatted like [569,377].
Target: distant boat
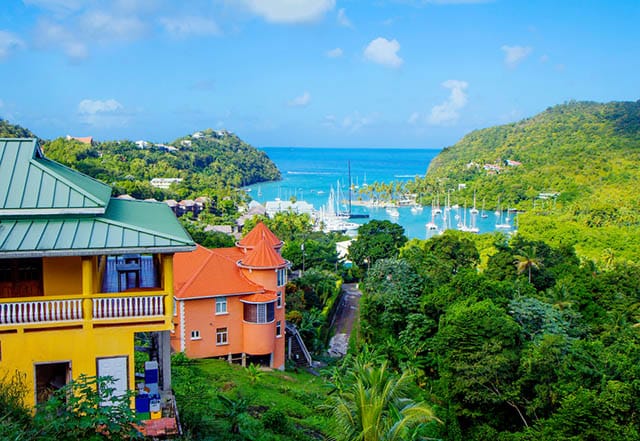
[392,211]
[474,211]
[349,214]
[436,208]
[502,225]
[416,209]
[483,215]
[259,191]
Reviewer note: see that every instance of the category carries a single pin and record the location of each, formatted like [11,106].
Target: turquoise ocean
[309,174]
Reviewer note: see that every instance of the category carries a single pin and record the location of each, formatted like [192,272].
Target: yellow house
[81,274]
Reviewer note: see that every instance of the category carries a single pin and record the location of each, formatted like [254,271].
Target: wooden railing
[40,311]
[98,307]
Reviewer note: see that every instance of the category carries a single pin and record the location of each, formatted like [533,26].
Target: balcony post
[87,290]
[167,285]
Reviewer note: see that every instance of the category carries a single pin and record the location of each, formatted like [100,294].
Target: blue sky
[330,73]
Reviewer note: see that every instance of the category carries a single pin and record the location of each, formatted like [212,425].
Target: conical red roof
[260,232]
[206,273]
[262,256]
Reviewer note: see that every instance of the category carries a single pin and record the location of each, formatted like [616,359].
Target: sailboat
[483,215]
[474,210]
[437,209]
[502,225]
[349,214]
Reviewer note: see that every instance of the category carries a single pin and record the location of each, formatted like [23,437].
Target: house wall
[24,346]
[200,315]
[62,275]
[23,350]
[269,278]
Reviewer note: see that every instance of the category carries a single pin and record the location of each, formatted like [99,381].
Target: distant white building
[142,144]
[185,143]
[164,183]
[298,207]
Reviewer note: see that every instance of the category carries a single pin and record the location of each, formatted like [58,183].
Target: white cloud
[9,42]
[335,53]
[49,35]
[103,26]
[343,20]
[102,113]
[447,112]
[190,25]
[289,11]
[91,107]
[301,101]
[383,51]
[56,6]
[354,122]
[513,55]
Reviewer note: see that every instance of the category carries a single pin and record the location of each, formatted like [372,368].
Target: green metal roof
[47,209]
[127,227]
[31,185]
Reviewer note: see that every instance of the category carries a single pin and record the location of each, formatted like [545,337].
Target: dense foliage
[83,409]
[8,130]
[218,401]
[587,153]
[210,165]
[534,344]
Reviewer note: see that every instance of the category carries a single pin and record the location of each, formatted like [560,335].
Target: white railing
[42,311]
[128,307]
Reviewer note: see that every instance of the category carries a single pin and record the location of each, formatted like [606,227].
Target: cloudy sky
[334,73]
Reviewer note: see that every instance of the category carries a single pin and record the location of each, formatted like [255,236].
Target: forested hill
[8,130]
[586,152]
[210,163]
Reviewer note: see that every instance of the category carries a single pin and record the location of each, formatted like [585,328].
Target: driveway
[345,316]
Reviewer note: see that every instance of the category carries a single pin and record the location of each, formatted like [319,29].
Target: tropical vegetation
[571,172]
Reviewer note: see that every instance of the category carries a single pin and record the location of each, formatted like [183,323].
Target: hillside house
[81,275]
[230,302]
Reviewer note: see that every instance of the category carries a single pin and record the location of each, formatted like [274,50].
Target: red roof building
[230,301]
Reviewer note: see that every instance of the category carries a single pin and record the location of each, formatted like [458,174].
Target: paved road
[346,314]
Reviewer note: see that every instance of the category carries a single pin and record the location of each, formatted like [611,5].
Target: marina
[318,177]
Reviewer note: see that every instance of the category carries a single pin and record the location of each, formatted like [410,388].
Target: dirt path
[346,314]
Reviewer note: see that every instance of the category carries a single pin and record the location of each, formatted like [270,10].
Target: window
[259,313]
[282,276]
[21,277]
[279,301]
[195,335]
[278,329]
[222,336]
[221,305]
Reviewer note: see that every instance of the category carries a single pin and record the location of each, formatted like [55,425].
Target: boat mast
[350,185]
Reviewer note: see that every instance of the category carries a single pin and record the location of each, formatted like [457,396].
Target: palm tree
[374,406]
[527,260]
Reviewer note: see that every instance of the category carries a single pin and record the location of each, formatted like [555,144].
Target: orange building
[230,301]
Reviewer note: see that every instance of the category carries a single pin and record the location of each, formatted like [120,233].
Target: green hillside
[211,164]
[8,130]
[587,153]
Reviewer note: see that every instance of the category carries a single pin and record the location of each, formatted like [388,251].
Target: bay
[309,174]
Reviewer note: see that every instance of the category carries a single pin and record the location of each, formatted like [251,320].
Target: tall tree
[527,260]
[376,406]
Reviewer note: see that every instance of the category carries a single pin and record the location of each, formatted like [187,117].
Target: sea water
[310,174]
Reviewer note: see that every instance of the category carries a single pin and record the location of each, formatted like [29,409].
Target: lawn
[219,401]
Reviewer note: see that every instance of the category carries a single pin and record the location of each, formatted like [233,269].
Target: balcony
[129,296]
[127,308]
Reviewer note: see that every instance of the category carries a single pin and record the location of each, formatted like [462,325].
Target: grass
[274,405]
